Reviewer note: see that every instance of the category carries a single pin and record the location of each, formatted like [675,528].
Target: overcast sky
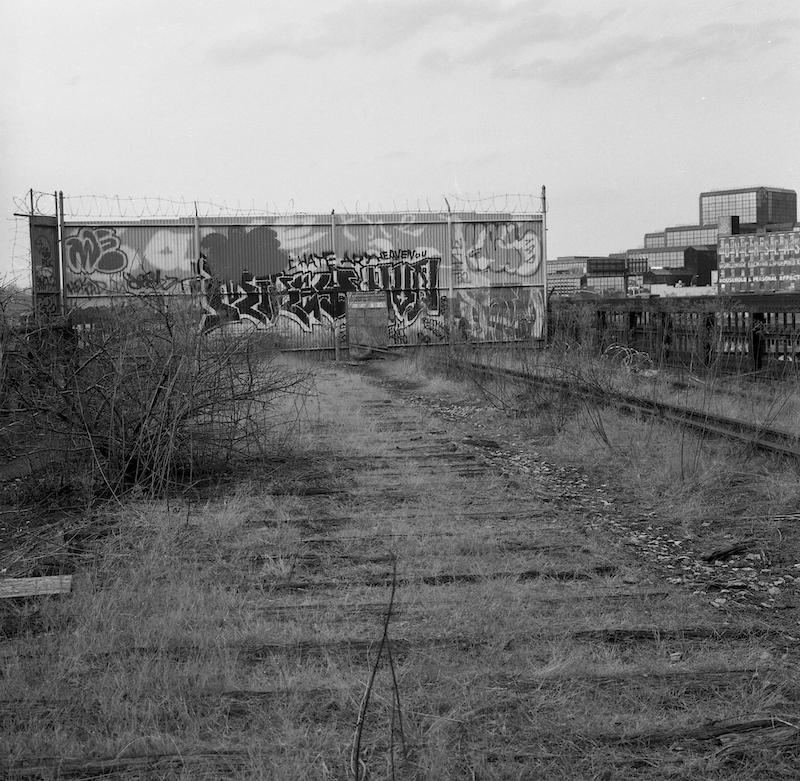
[625,111]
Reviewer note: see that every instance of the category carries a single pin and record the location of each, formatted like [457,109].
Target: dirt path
[530,638]
[426,597]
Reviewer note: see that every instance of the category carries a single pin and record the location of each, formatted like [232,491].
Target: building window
[687,236]
[742,205]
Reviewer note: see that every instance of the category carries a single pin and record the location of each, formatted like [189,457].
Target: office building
[756,206]
[746,240]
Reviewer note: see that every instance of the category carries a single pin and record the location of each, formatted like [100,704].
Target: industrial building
[759,242]
[746,240]
[754,206]
[763,262]
[565,275]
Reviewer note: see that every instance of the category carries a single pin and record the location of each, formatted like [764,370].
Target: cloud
[506,47]
[625,54]
[585,50]
[534,40]
[361,24]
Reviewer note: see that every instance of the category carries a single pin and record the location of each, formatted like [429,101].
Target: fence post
[335,293]
[451,283]
[197,236]
[758,339]
[545,296]
[62,255]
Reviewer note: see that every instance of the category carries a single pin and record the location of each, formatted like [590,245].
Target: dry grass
[773,404]
[662,462]
[140,400]
[236,636]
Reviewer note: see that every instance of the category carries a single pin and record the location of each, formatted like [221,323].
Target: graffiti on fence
[115,261]
[237,269]
[156,281]
[249,300]
[46,287]
[127,283]
[506,252]
[95,250]
[499,314]
[310,288]
[48,306]
[45,274]
[294,279]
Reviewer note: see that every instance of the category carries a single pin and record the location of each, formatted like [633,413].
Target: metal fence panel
[464,276]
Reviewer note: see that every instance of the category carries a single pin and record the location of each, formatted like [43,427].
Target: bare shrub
[138,396]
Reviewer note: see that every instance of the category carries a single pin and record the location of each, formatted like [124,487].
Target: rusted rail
[750,434]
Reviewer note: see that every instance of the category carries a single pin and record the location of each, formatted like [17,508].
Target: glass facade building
[574,266]
[610,285]
[716,205]
[754,206]
[565,274]
[682,236]
[746,240]
[691,235]
[666,257]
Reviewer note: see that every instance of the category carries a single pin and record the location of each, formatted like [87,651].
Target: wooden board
[31,587]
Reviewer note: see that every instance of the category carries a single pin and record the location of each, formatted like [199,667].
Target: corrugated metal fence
[466,276]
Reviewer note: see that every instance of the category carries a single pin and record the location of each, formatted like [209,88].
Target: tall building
[752,206]
[726,240]
[747,238]
[759,241]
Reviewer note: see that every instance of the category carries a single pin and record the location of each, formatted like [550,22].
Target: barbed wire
[18,253]
[35,202]
[105,208]
[115,207]
[507,203]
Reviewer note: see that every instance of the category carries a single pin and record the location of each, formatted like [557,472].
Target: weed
[179,652]
[140,399]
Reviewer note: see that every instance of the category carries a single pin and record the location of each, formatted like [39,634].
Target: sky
[624,111]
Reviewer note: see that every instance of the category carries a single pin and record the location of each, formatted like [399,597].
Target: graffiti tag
[48,306]
[251,299]
[155,281]
[95,249]
[310,296]
[500,247]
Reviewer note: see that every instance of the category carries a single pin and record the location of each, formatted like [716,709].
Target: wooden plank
[375,349]
[31,587]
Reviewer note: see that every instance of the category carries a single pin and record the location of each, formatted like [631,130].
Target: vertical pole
[197,238]
[196,232]
[62,255]
[758,339]
[335,292]
[203,288]
[545,295]
[34,293]
[451,282]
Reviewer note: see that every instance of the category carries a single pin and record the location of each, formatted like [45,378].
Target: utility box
[367,320]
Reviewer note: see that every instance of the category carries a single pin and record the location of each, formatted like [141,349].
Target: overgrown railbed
[423,585]
[134,397]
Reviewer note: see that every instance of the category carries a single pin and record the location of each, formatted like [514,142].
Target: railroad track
[750,434]
[521,638]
